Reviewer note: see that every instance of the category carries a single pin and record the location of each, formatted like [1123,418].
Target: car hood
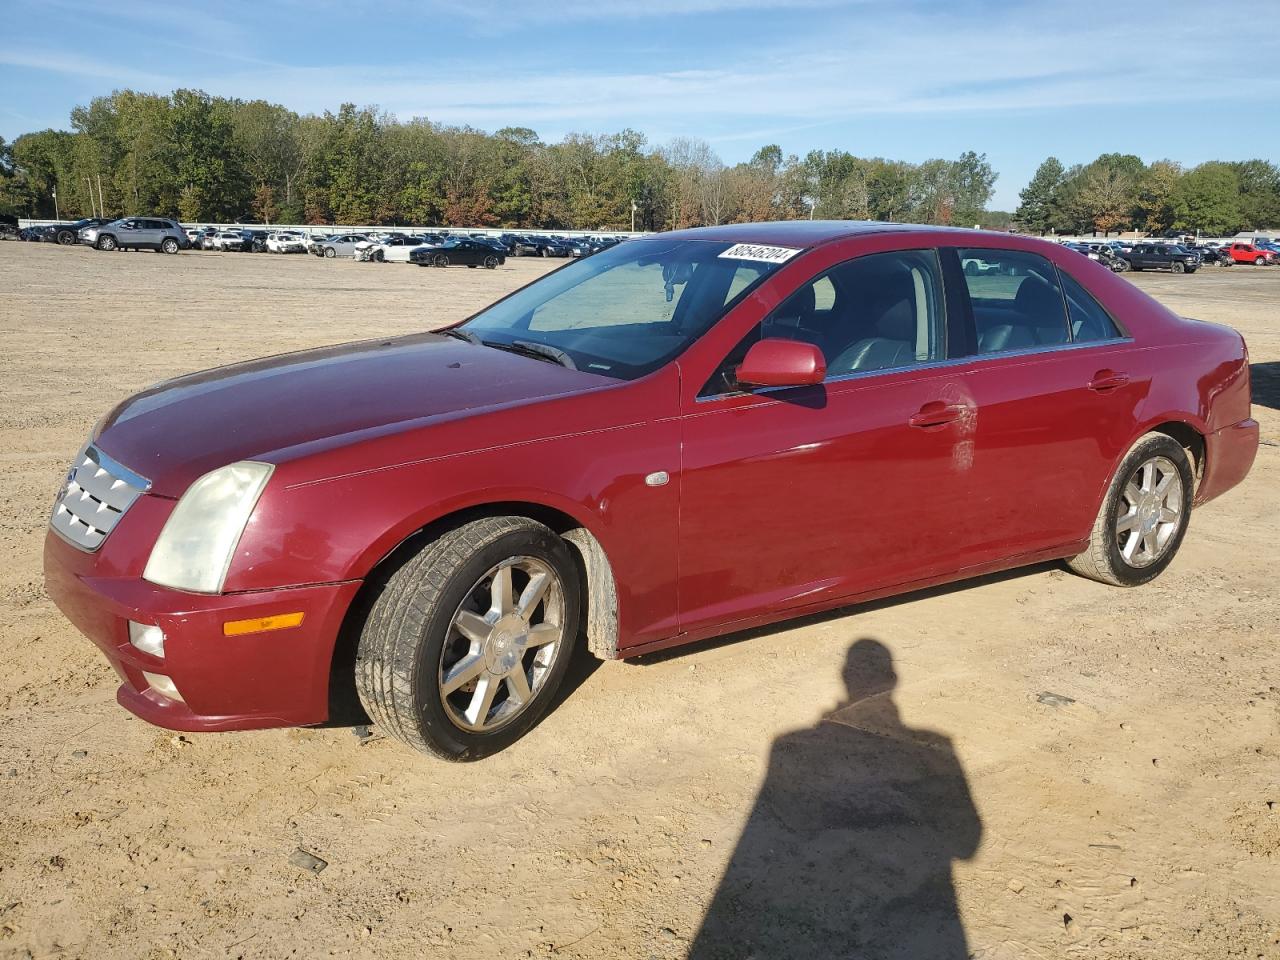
[178,430]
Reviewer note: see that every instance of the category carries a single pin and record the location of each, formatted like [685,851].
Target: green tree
[1040,207]
[1207,199]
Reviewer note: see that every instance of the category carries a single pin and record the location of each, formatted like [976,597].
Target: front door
[792,497]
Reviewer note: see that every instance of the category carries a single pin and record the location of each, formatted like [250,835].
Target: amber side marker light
[280,621]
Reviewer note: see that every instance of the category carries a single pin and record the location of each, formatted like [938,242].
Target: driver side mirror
[782,363]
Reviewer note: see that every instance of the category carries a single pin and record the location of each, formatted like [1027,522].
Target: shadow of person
[848,851]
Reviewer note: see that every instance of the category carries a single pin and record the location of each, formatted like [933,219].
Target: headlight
[200,537]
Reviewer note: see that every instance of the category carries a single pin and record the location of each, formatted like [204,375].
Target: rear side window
[1017,302]
[1089,321]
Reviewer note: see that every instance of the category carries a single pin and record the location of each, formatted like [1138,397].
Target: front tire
[1260,261]
[106,243]
[466,644]
[330,253]
[1177,267]
[170,245]
[490,263]
[441,261]
[1144,515]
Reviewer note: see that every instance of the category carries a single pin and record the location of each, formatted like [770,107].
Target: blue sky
[908,79]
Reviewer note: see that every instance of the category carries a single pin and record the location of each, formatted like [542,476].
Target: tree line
[202,158]
[1119,192]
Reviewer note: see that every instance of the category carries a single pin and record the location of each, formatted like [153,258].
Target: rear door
[1054,386]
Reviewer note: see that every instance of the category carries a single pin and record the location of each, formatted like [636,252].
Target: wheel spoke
[518,685]
[465,670]
[472,626]
[533,594]
[1127,522]
[1149,543]
[1169,515]
[542,634]
[1132,494]
[1148,476]
[501,591]
[1131,545]
[482,700]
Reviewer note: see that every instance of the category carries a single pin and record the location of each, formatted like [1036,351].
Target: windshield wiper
[466,335]
[539,351]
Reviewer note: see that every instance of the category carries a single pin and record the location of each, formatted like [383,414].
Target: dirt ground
[1062,770]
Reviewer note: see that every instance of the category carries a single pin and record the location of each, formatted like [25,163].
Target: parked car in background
[257,241]
[1108,256]
[395,249]
[286,241]
[137,233]
[338,245]
[1251,253]
[231,241]
[1218,256]
[457,252]
[1162,256]
[197,234]
[590,459]
[68,234]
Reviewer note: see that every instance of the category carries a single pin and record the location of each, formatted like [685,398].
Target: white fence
[322,230]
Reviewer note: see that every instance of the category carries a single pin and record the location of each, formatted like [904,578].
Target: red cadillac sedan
[682,436]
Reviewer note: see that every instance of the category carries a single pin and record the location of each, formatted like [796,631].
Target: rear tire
[411,641]
[66,238]
[1154,507]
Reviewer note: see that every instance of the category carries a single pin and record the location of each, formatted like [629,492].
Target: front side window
[878,312]
[1017,303]
[630,309]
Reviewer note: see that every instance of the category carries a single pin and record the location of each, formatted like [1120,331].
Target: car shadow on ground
[848,851]
[1265,379]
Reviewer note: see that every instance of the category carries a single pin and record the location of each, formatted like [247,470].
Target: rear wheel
[546,252]
[465,646]
[106,243]
[1143,517]
[66,237]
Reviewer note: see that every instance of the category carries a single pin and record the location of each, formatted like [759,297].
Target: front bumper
[273,679]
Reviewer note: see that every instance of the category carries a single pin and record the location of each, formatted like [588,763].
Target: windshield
[632,308]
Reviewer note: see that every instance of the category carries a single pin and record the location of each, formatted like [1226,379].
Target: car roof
[803,233]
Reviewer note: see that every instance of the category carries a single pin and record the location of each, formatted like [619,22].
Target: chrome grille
[96,495]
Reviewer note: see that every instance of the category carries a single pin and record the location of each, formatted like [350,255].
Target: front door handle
[1105,380]
[936,414]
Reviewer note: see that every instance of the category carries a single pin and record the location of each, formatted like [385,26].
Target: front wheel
[441,260]
[106,243]
[170,245]
[1177,267]
[490,262]
[1259,261]
[467,642]
[1143,517]
[330,253]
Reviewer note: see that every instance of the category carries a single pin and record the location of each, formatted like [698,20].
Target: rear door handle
[936,414]
[1105,380]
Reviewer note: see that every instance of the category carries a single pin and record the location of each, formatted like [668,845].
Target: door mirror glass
[782,363]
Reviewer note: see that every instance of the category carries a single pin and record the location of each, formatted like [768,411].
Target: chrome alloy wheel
[1149,512]
[502,643]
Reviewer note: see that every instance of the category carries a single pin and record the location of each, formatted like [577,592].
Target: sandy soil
[1063,769]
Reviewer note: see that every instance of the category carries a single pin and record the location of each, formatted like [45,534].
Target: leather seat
[797,319]
[892,316]
[1036,318]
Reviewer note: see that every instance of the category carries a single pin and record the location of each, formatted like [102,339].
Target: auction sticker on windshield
[754,251]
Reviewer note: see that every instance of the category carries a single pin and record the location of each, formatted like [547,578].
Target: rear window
[1089,321]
